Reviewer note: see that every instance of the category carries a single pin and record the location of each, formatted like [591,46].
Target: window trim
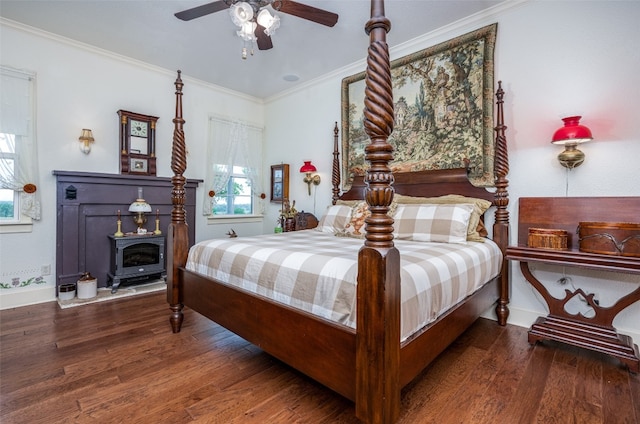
[241,219]
[22,225]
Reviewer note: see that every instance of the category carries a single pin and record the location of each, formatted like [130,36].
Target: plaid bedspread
[316,272]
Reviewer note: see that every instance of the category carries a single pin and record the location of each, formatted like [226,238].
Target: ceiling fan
[255,24]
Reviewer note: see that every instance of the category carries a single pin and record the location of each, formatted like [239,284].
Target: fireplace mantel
[87,205]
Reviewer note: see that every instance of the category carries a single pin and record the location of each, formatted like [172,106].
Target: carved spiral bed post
[335,170]
[177,233]
[501,199]
[378,290]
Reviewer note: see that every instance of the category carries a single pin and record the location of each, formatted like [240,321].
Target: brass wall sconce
[570,135]
[308,169]
[86,139]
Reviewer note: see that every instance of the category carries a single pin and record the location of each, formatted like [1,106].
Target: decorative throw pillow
[354,226]
[334,219]
[476,230]
[437,223]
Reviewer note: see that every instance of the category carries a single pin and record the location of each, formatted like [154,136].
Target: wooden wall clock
[137,143]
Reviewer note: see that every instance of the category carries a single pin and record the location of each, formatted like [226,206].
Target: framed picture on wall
[279,182]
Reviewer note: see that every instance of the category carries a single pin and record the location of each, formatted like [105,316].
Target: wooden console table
[596,333]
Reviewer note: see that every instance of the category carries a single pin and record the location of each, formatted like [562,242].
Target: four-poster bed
[366,362]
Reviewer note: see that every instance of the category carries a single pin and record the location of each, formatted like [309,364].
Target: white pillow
[334,219]
[476,230]
[437,223]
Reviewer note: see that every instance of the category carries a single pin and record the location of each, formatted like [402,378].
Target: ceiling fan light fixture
[247,31]
[241,13]
[270,22]
[246,12]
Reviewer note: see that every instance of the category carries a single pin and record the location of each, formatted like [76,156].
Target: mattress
[317,272]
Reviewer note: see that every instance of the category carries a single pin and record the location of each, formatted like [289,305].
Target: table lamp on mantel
[139,208]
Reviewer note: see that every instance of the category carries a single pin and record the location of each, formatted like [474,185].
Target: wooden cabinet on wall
[87,205]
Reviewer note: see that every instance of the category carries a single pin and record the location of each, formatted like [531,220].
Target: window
[234,171]
[19,190]
[9,199]
[235,198]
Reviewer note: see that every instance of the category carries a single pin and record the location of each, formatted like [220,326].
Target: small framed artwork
[279,182]
[139,165]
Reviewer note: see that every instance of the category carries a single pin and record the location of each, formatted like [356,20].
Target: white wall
[555,59]
[82,87]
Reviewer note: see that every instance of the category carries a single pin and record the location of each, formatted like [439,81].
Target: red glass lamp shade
[572,132]
[307,167]
[570,136]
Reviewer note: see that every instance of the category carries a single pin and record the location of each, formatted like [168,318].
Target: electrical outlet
[596,299]
[45,270]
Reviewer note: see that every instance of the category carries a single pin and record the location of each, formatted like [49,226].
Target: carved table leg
[596,333]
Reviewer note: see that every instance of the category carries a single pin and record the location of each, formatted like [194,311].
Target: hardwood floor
[118,362]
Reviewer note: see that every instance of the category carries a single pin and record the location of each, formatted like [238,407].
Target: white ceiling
[207,48]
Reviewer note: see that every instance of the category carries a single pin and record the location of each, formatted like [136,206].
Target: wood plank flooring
[118,362]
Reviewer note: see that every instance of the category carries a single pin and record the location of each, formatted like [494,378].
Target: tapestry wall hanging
[443,106]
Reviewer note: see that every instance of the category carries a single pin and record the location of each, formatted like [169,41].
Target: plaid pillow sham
[476,230]
[446,223]
[334,219]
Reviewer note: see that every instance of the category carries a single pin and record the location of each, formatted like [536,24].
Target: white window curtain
[17,117]
[233,143]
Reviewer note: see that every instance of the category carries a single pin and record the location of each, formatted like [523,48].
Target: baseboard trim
[18,297]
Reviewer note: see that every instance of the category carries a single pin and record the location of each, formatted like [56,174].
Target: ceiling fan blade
[205,9]
[307,12]
[262,39]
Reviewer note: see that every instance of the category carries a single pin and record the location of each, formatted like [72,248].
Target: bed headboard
[425,184]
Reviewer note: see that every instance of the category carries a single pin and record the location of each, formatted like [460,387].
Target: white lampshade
[241,12]
[140,205]
[86,138]
[247,33]
[269,22]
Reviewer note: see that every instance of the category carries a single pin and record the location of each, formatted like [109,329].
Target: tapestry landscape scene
[442,118]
